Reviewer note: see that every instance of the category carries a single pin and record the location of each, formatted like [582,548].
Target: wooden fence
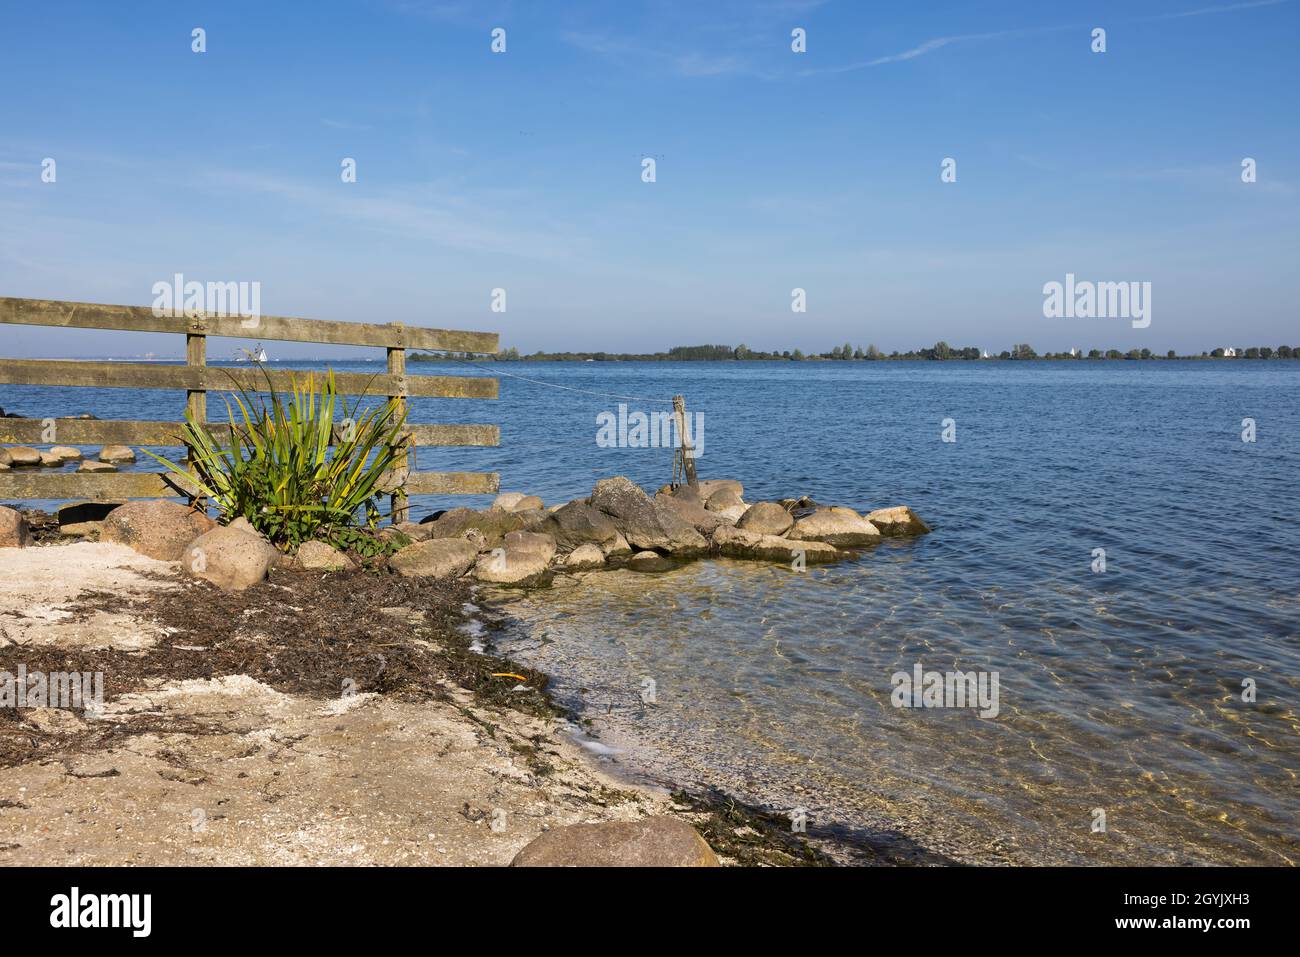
[196,379]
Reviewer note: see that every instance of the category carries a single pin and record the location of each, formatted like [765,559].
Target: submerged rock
[155,528]
[116,453]
[651,842]
[899,520]
[649,562]
[435,558]
[89,466]
[584,558]
[766,518]
[21,456]
[836,526]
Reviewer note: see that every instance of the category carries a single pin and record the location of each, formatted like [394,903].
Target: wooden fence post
[401,467]
[196,400]
[685,455]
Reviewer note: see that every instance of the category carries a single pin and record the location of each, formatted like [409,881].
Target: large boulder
[578,523]
[116,453]
[517,502]
[651,842]
[492,525]
[522,559]
[51,461]
[643,522]
[766,518]
[14,532]
[743,543]
[836,526]
[230,558]
[649,562]
[435,558]
[321,557]
[22,456]
[156,528]
[899,520]
[67,452]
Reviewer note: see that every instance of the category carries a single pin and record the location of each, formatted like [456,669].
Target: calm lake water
[1119,691]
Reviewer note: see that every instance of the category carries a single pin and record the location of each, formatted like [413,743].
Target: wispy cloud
[938,43]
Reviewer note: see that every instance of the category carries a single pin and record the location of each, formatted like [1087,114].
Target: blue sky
[775,170]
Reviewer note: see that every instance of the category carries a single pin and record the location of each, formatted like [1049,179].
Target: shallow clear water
[1119,691]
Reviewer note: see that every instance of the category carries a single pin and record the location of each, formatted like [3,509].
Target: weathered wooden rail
[196,379]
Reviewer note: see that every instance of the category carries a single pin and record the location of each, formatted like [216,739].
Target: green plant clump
[279,472]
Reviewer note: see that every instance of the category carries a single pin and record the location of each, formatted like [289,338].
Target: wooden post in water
[196,400]
[684,456]
[402,466]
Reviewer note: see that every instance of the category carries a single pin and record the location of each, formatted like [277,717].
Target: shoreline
[178,755]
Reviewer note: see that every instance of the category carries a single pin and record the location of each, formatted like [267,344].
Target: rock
[14,532]
[649,562]
[578,523]
[4,466]
[583,558]
[322,557]
[89,466]
[836,526]
[533,518]
[799,506]
[67,453]
[84,518]
[899,520]
[523,558]
[21,456]
[415,531]
[689,508]
[650,842]
[556,507]
[643,522]
[618,548]
[708,486]
[743,543]
[116,453]
[158,529]
[435,558]
[766,518]
[51,461]
[493,525]
[724,498]
[230,558]
[734,513]
[517,502]
[244,525]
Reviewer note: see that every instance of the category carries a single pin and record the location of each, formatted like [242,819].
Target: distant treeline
[939,351]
